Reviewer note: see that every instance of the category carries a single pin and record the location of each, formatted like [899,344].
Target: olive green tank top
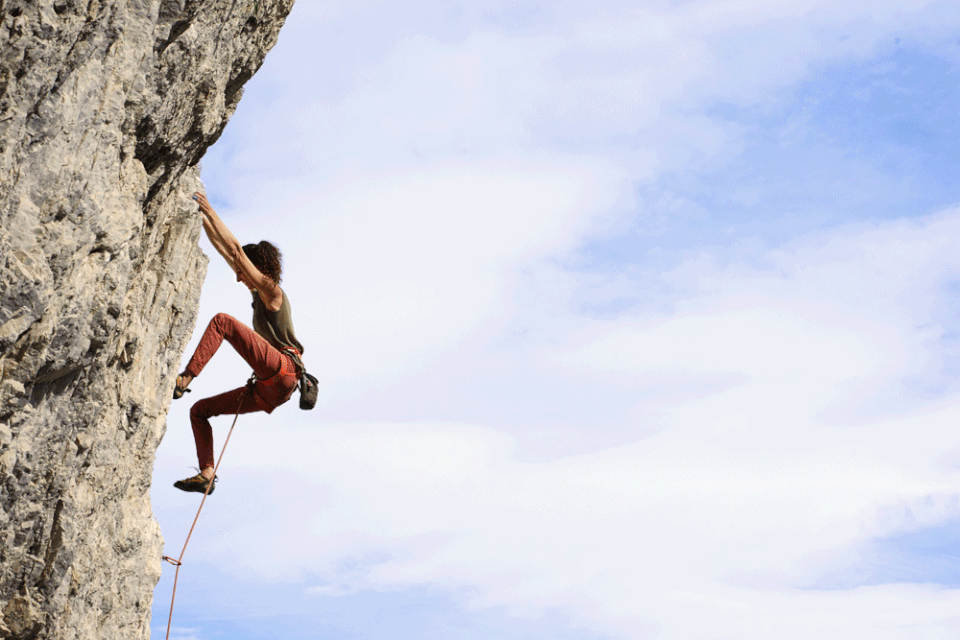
[276,327]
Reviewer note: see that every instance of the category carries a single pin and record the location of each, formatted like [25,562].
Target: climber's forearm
[220,236]
[217,242]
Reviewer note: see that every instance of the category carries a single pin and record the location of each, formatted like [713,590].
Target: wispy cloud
[179,633]
[562,370]
[738,503]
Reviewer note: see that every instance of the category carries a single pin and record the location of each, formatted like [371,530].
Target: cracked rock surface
[106,107]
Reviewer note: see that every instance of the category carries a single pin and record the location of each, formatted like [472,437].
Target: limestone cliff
[106,107]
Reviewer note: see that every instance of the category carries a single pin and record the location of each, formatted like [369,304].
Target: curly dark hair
[265,257]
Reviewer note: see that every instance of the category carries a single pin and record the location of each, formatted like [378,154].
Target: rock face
[106,107]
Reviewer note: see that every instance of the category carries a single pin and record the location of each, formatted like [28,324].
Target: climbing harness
[179,561]
[286,370]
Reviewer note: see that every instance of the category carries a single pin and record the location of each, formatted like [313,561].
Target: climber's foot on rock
[183,380]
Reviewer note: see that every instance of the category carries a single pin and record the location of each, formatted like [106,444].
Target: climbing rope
[179,561]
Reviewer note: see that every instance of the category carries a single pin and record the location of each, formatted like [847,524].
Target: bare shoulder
[272,298]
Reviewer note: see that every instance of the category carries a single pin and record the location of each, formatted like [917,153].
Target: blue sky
[631,320]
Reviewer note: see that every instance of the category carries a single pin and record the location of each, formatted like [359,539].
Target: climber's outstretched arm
[230,248]
[215,240]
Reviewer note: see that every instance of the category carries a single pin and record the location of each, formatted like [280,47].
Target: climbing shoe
[197,483]
[178,391]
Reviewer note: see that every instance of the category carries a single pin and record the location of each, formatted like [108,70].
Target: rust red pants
[276,379]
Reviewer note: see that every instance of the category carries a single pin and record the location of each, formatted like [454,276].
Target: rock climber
[270,348]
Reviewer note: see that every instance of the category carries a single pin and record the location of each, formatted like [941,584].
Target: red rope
[179,561]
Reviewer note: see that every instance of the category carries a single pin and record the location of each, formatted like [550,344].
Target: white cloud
[179,633]
[863,299]
[600,79]
[416,262]
[742,499]
[775,408]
